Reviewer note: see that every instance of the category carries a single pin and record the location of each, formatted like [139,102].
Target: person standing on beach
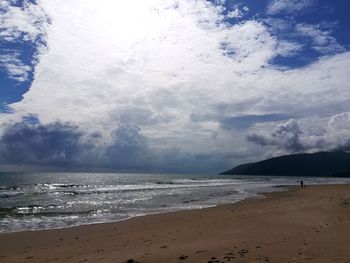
[302,184]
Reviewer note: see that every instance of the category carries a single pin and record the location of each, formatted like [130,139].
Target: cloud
[290,138]
[15,67]
[288,6]
[64,145]
[340,122]
[279,25]
[26,21]
[285,135]
[176,76]
[289,48]
[294,37]
[55,144]
[322,40]
[237,12]
[129,150]
[164,63]
[243,122]
[339,132]
[23,28]
[67,146]
[139,116]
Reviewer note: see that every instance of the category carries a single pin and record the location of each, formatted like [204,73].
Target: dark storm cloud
[285,136]
[52,144]
[67,146]
[129,150]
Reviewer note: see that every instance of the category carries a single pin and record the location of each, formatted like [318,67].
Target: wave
[160,182]
[10,195]
[13,188]
[88,189]
[39,211]
[141,188]
[60,186]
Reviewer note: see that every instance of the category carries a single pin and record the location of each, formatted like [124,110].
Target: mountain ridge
[330,164]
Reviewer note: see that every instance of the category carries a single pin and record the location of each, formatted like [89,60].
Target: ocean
[32,201]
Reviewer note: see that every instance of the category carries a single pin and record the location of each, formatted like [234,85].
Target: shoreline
[282,222]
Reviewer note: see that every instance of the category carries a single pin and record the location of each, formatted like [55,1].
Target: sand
[300,225]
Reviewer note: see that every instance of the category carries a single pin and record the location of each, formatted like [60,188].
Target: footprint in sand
[229,257]
[243,252]
[263,258]
[183,257]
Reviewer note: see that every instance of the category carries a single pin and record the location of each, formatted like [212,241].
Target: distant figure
[302,184]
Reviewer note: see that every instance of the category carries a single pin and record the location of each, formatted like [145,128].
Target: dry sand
[301,225]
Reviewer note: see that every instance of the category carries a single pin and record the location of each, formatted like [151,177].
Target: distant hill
[333,164]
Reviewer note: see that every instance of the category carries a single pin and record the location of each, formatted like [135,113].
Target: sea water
[31,201]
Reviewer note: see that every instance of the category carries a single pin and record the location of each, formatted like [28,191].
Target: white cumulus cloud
[322,40]
[15,68]
[288,6]
[26,22]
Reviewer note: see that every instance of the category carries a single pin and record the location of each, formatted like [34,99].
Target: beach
[299,225]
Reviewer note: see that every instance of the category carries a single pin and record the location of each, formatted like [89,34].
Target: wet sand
[300,225]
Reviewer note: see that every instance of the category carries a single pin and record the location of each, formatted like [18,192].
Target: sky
[178,86]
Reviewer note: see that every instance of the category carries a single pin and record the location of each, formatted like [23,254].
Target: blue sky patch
[18,48]
[316,27]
